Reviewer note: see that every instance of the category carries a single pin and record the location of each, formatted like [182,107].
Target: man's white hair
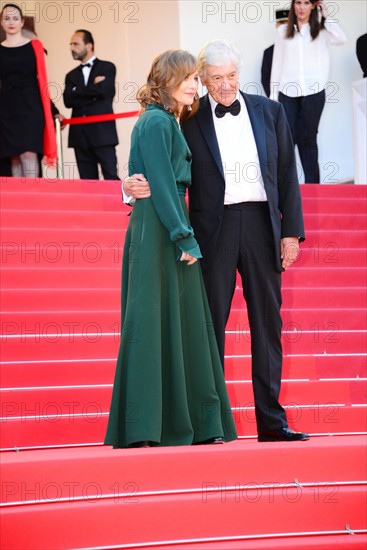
[219,52]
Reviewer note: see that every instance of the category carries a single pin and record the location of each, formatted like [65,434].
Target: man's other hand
[136,186]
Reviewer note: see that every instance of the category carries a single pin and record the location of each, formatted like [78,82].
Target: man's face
[221,82]
[79,50]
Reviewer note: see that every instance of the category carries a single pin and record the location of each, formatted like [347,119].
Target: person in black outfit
[22,115]
[362,53]
[5,168]
[89,90]
[281,16]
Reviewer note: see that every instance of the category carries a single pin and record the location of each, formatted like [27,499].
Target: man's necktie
[222,110]
[86,65]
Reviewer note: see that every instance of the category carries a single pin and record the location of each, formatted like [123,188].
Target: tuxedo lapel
[256,116]
[204,117]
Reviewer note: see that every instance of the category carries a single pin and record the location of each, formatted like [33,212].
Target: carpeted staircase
[61,247]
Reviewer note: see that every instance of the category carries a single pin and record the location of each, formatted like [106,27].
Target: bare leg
[16,167]
[30,167]
[25,165]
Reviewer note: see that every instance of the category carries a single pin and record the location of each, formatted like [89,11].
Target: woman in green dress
[169,386]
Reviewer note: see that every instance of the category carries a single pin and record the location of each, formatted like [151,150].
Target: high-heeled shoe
[141,444]
[211,441]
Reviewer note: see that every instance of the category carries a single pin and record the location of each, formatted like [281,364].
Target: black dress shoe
[283,434]
[140,444]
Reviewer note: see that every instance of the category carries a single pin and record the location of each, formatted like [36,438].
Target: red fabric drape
[49,134]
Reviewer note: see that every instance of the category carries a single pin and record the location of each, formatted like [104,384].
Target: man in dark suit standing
[245,208]
[361,49]
[281,17]
[89,90]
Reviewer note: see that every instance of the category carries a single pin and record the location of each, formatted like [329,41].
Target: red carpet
[60,298]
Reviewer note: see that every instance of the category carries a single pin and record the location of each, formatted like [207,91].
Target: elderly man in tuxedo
[89,90]
[246,211]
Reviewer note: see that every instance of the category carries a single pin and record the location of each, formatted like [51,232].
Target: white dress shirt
[301,65]
[240,160]
[239,156]
[86,70]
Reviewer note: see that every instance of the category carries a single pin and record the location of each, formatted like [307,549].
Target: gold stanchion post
[60,158]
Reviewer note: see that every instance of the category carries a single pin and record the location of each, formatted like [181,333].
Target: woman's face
[185,93]
[11,21]
[303,9]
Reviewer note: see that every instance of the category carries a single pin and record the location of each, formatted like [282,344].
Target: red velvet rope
[98,118]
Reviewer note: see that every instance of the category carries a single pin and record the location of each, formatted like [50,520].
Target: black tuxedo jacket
[266,65]
[93,99]
[361,48]
[278,168]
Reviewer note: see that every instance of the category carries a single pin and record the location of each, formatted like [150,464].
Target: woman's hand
[185,257]
[321,5]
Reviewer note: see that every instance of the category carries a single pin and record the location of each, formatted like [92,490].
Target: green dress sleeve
[156,149]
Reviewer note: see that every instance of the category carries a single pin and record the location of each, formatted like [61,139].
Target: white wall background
[250,25]
[131,33]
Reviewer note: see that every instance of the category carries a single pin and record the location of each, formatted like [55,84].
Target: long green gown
[169,386]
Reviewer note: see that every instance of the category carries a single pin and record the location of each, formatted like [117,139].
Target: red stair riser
[82,219]
[55,401]
[70,342]
[55,254]
[110,295]
[180,517]
[316,238]
[67,201]
[91,428]
[310,319]
[40,242]
[77,219]
[303,366]
[336,206]
[346,192]
[60,256]
[294,320]
[97,271]
[101,371]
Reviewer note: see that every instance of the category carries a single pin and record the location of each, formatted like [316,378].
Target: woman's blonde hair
[169,69]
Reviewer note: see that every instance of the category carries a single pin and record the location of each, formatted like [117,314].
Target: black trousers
[89,159]
[304,114]
[246,244]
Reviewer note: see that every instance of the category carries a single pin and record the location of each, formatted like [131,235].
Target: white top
[301,65]
[239,156]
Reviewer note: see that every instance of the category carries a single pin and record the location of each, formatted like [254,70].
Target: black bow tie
[222,110]
[86,65]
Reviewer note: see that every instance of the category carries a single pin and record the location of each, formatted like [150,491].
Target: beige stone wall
[127,33]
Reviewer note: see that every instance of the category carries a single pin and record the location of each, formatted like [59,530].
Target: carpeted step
[69,494]
[50,427]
